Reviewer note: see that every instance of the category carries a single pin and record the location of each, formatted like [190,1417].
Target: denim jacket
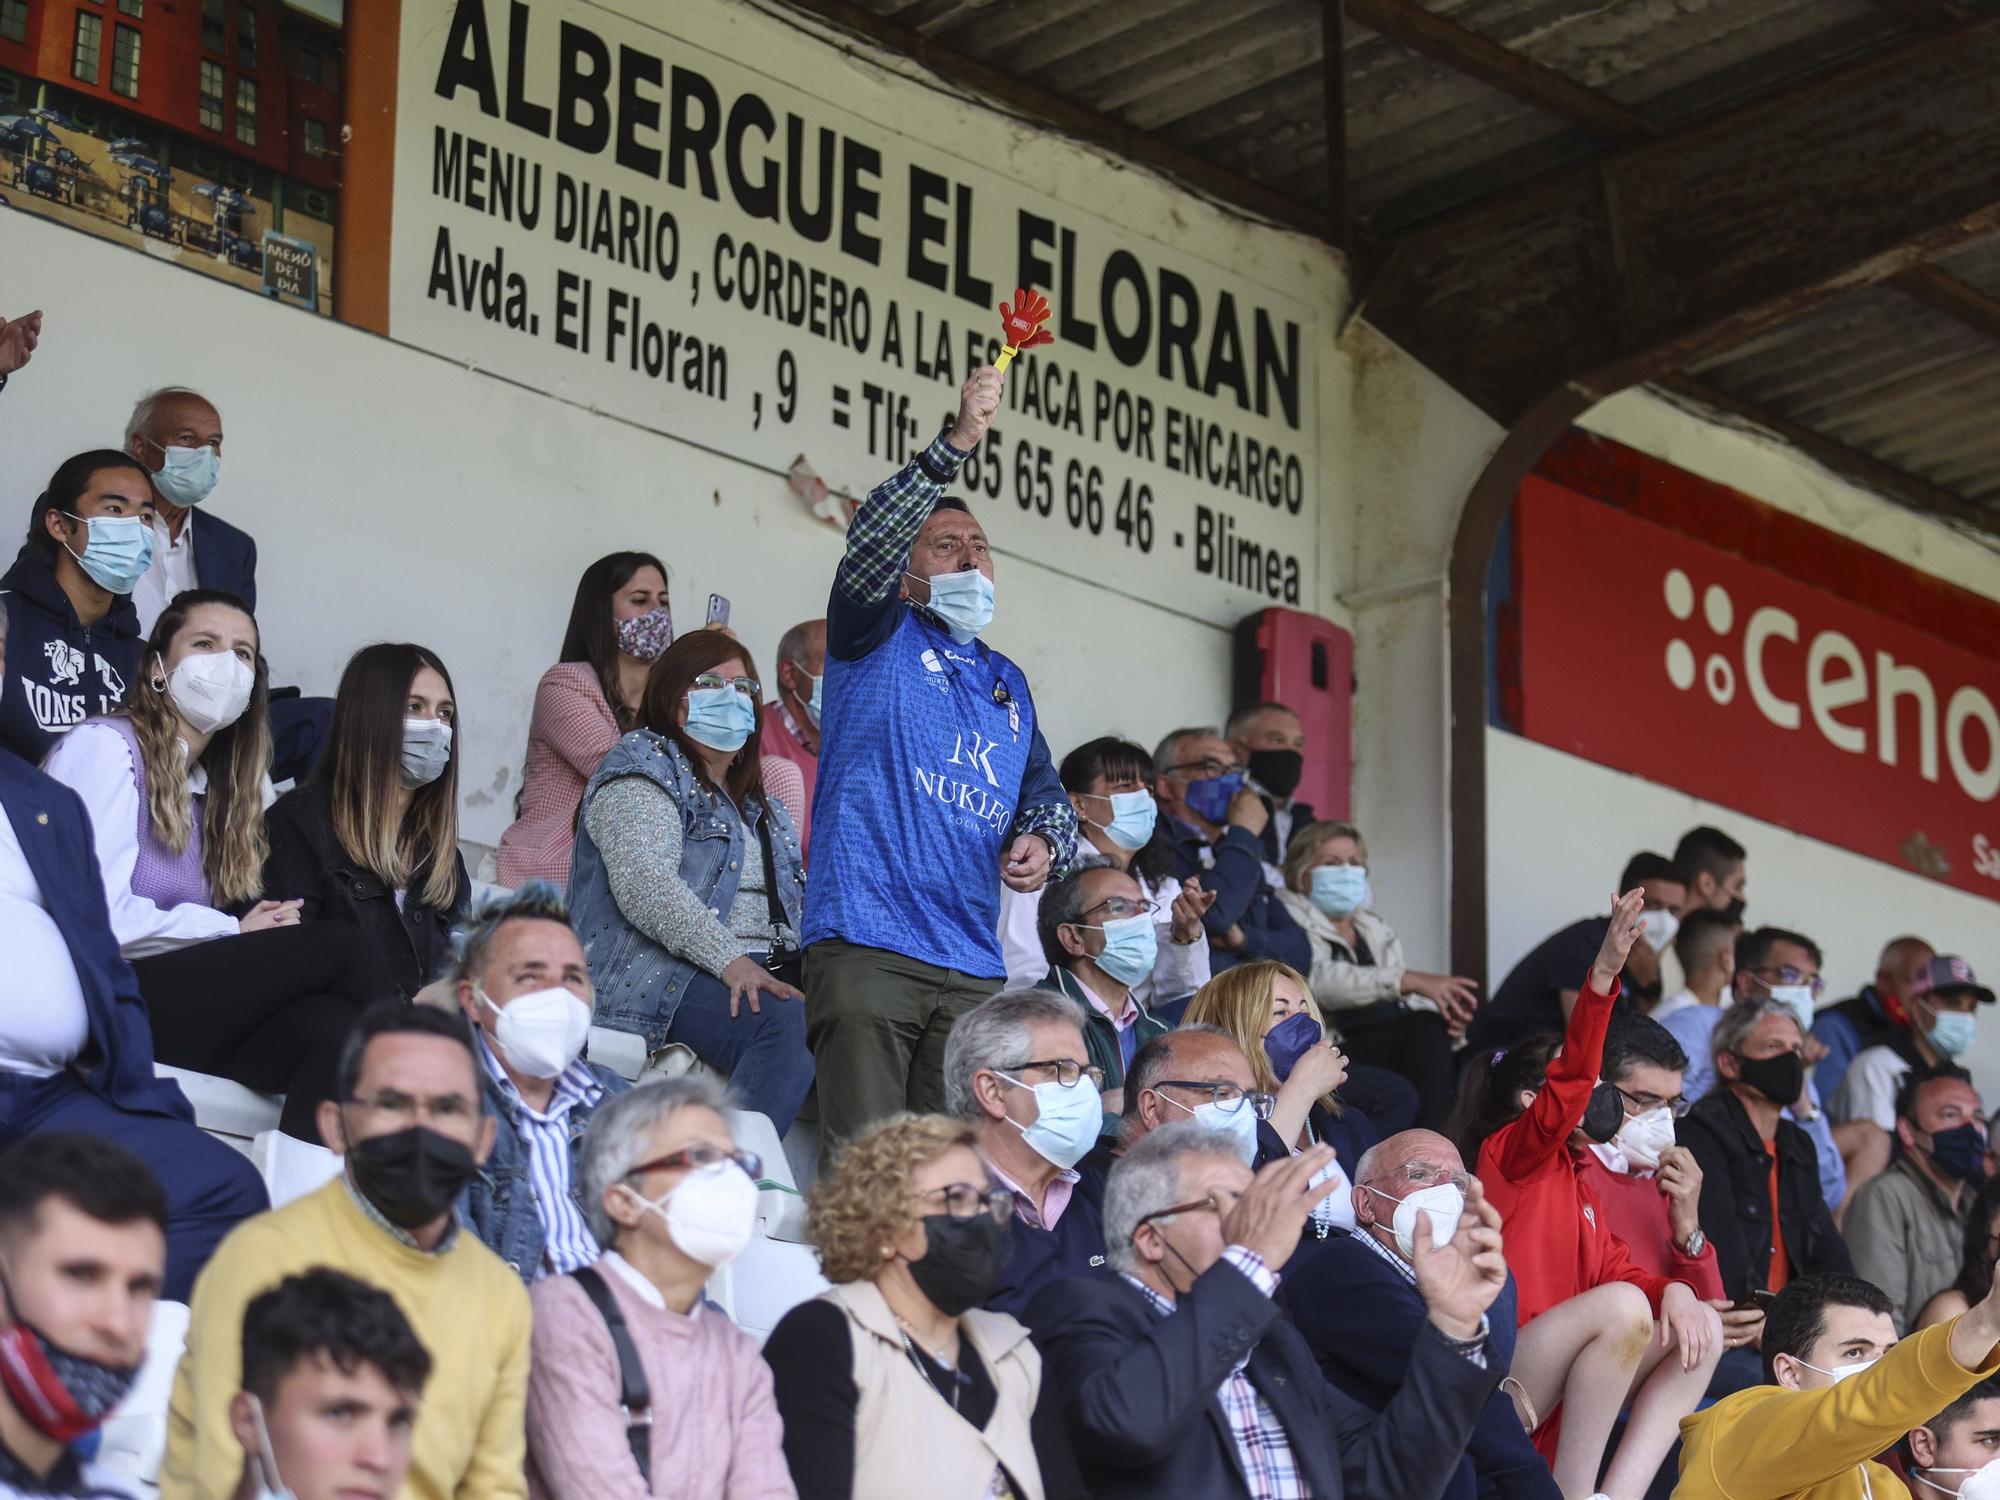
[639,983]
[498,1205]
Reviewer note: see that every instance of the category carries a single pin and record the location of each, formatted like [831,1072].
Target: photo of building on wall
[204,132]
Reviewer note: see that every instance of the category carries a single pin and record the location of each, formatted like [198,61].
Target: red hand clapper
[1021,325]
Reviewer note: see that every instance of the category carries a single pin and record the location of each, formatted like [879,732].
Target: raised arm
[862,612]
[1545,1127]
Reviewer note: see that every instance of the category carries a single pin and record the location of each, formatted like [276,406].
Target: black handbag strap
[635,1397]
[780,923]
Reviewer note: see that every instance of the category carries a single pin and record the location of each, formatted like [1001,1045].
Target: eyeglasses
[1789,975]
[1208,1205]
[1205,768]
[1422,1174]
[1117,907]
[696,1157]
[964,1201]
[1644,1103]
[1226,1097]
[749,687]
[1067,1072]
[403,1110]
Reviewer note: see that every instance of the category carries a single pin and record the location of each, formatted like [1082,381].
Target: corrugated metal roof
[1240,84]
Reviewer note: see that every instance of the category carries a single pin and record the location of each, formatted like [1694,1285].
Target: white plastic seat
[292,1168]
[135,1434]
[223,1108]
[623,1052]
[781,1209]
[765,1282]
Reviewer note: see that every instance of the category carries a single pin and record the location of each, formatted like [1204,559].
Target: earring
[157,682]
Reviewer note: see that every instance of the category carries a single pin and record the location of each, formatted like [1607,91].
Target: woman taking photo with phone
[173,782]
[619,624]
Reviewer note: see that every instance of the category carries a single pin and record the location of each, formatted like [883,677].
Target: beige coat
[907,1442]
[1338,982]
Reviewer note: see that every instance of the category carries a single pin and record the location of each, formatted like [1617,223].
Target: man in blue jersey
[934,786]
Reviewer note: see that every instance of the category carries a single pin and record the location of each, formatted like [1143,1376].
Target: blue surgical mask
[1133,815]
[1067,1121]
[1239,1124]
[1952,1032]
[118,552]
[720,718]
[1131,948]
[188,474]
[1339,890]
[964,601]
[1290,1040]
[1210,799]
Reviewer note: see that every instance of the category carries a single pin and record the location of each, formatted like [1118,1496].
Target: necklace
[950,1371]
[908,1331]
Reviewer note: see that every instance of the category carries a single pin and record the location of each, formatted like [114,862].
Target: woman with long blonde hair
[1268,1008]
[372,837]
[173,781]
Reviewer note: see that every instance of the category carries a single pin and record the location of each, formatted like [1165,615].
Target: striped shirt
[567,1242]
[1262,1446]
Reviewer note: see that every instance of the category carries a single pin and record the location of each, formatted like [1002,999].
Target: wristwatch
[1696,1243]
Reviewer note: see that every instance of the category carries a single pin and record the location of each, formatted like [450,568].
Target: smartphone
[718,609]
[1759,1300]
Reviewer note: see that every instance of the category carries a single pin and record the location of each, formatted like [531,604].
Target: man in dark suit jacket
[53,919]
[1270,744]
[1355,1298]
[1179,1376]
[177,434]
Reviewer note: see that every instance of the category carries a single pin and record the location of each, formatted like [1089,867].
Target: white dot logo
[1718,612]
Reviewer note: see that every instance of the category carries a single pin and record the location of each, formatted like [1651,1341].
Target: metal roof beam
[1956,299]
[1657,256]
[1410,25]
[1863,469]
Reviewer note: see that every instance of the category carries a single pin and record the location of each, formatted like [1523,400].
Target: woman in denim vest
[673,886]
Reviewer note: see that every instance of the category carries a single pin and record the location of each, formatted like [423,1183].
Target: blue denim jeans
[764,1054]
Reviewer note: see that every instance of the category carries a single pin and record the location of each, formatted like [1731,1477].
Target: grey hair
[1151,1061]
[536,900]
[1741,1019]
[148,407]
[1061,906]
[1240,721]
[1364,1170]
[994,1036]
[1166,752]
[620,1137]
[1148,1178]
[792,644]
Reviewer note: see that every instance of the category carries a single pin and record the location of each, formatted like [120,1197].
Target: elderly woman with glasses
[896,1382]
[671,1398]
[687,880]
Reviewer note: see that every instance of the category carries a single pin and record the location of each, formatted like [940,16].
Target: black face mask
[1278,771]
[413,1176]
[963,1263]
[1605,1113]
[1780,1079]
[1733,912]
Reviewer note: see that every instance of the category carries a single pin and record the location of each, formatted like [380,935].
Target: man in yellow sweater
[411,1129]
[1840,1390]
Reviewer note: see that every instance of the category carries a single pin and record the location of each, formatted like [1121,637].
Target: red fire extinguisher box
[1305,662]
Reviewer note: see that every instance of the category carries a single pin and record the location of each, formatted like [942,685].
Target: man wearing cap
[1937,1026]
[934,786]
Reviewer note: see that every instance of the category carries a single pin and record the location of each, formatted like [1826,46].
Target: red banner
[1652,653]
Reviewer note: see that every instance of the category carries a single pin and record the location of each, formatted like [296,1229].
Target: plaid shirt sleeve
[1046,811]
[885,527]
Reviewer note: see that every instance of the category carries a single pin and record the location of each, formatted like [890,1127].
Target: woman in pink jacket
[619,624]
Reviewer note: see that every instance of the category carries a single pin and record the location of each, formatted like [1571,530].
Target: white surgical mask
[1983,1485]
[270,1485]
[1839,1372]
[426,750]
[712,1215]
[1658,929]
[188,474]
[1239,1124]
[1441,1200]
[1644,1138]
[541,1033]
[210,689]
